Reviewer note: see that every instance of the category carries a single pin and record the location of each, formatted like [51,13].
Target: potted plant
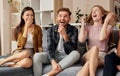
[78,15]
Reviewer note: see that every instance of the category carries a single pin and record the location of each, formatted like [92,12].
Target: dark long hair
[18,29]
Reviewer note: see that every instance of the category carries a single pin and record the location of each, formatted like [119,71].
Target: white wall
[5,27]
[86,5]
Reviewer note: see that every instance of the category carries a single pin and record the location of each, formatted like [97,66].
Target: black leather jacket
[53,40]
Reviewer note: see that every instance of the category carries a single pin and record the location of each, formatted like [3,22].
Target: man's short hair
[65,9]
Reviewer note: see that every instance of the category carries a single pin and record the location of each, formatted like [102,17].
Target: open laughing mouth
[62,23]
[94,15]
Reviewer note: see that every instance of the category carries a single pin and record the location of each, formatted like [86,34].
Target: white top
[29,42]
[60,47]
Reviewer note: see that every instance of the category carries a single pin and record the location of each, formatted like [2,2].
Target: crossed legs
[42,58]
[38,60]
[66,62]
[91,59]
[21,59]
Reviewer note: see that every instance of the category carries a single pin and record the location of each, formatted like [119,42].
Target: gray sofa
[71,71]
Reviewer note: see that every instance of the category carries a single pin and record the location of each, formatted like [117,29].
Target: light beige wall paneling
[81,4]
[57,4]
[0,22]
[69,4]
[86,5]
[5,27]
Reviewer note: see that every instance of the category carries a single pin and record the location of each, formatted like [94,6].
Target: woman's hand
[83,21]
[110,18]
[28,22]
[118,49]
[83,32]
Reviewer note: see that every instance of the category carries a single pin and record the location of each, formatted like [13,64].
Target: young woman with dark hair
[29,41]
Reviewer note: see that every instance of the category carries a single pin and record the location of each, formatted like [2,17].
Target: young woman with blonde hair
[97,31]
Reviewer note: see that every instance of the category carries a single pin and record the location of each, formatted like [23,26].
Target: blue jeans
[64,61]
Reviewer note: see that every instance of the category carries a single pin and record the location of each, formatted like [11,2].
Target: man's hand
[55,65]
[55,68]
[118,67]
[62,31]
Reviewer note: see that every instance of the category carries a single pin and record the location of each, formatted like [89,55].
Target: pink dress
[93,37]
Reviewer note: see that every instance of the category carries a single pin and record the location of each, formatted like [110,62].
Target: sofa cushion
[11,71]
[44,39]
[71,71]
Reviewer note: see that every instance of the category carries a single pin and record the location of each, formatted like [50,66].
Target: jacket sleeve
[72,43]
[39,39]
[50,44]
[21,41]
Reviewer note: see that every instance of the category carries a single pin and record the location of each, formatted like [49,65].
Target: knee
[25,54]
[95,49]
[25,63]
[76,54]
[37,57]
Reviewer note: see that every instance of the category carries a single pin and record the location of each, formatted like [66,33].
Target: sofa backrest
[81,46]
[44,39]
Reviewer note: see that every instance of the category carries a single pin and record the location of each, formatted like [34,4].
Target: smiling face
[96,14]
[28,14]
[63,18]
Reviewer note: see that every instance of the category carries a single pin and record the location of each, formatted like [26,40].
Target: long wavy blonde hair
[104,12]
